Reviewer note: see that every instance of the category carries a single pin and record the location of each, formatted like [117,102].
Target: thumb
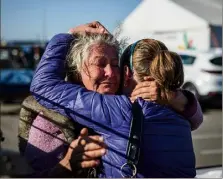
[84,132]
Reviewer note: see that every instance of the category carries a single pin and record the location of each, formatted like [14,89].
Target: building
[181,24]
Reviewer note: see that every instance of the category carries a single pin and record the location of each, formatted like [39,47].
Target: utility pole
[44,26]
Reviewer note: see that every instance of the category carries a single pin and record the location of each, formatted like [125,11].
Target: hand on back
[84,152]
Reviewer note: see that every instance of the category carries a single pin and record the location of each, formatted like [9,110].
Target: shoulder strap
[133,149]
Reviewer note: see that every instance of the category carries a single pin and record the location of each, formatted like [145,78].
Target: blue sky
[23,19]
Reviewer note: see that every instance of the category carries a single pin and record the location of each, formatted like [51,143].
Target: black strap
[133,150]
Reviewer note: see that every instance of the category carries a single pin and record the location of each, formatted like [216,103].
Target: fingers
[99,26]
[95,24]
[145,84]
[97,138]
[145,87]
[148,90]
[88,143]
[145,96]
[90,155]
[144,90]
[89,164]
[92,143]
[86,146]
[93,30]
[88,151]
[93,27]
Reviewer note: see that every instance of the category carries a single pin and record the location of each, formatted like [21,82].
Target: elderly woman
[98,72]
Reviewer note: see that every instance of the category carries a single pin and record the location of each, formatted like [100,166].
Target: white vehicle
[212,172]
[203,73]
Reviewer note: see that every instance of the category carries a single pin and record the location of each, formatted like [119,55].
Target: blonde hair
[81,48]
[152,58]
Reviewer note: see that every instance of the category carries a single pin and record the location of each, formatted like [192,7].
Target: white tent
[169,22]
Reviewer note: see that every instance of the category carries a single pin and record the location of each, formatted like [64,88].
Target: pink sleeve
[45,135]
[193,111]
[46,144]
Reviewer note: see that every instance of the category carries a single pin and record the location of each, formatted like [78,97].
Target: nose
[109,71]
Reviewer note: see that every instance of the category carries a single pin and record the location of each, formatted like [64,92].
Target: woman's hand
[148,90]
[84,152]
[93,27]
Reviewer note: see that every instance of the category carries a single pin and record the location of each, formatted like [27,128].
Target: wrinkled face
[100,72]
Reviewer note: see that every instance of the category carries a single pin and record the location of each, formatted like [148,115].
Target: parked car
[210,172]
[203,73]
[15,74]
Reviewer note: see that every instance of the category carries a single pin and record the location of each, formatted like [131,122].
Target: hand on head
[84,152]
[93,27]
[148,90]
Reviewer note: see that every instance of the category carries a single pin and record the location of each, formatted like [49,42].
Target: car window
[216,61]
[187,59]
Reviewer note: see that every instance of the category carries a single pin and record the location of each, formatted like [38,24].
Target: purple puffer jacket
[166,148]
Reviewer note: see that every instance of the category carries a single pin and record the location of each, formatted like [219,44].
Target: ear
[127,74]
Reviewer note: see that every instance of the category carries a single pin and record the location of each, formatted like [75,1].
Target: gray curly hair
[81,48]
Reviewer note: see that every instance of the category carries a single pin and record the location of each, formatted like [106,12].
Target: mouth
[108,83]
